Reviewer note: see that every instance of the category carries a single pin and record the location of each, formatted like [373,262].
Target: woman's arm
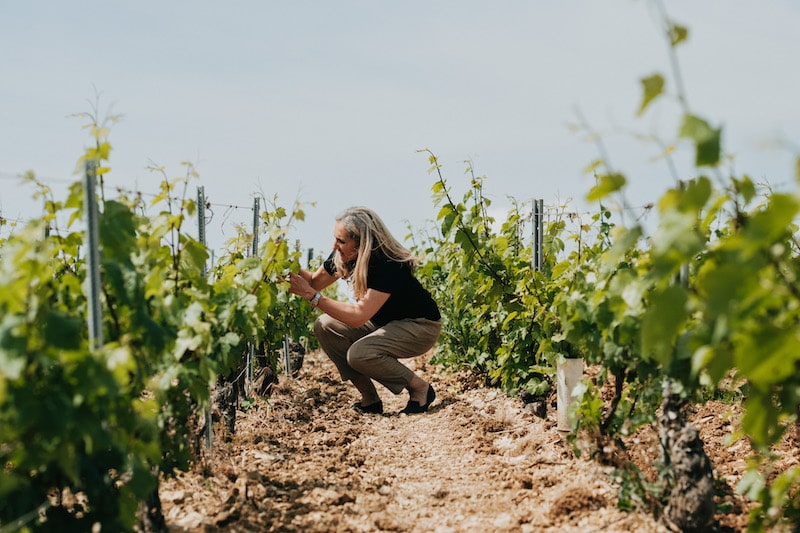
[353,314]
[318,280]
[356,314]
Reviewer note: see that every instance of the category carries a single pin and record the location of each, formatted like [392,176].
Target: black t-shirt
[407,297]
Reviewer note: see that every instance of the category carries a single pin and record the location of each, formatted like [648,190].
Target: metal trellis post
[286,359]
[684,272]
[250,357]
[256,220]
[93,260]
[201,236]
[538,233]
[201,220]
[47,227]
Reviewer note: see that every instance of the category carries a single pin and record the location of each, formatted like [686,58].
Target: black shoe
[373,408]
[413,407]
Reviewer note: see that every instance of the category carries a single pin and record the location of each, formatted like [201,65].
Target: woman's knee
[321,325]
[329,331]
[359,356]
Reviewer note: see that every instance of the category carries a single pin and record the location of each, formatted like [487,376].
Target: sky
[330,103]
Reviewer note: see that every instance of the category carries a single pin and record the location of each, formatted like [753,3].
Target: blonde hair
[368,230]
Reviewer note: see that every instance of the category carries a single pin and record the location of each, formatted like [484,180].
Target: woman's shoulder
[383,263]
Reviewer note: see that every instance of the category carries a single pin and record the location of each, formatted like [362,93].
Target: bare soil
[302,460]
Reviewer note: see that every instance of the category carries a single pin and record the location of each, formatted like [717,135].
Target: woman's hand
[300,286]
[353,314]
[306,275]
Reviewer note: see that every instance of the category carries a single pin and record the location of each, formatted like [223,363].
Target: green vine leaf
[760,420]
[653,87]
[706,139]
[606,185]
[662,322]
[677,34]
[767,356]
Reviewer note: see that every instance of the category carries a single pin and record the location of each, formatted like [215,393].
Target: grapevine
[87,433]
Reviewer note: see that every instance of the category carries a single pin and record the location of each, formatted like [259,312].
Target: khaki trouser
[374,352]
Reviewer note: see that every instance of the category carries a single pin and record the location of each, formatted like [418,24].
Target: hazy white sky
[329,101]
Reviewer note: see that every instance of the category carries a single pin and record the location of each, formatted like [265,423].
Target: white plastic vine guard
[568,375]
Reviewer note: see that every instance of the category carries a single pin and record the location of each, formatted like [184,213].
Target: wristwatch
[315,299]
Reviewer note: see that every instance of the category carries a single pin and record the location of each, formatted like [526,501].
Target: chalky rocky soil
[302,460]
